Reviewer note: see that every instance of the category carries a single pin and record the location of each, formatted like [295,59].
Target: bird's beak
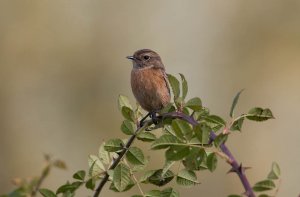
[130,57]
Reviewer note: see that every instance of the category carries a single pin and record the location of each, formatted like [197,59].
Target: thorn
[243,169]
[231,170]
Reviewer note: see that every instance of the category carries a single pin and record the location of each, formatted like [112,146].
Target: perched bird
[149,81]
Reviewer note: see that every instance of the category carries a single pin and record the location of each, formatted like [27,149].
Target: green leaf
[174,85]
[177,153]
[194,104]
[128,113]
[103,155]
[153,193]
[215,122]
[47,193]
[264,186]
[165,141]
[234,195]
[194,160]
[160,179]
[264,195]
[79,175]
[91,184]
[135,156]
[212,162]
[169,192]
[123,101]
[167,166]
[137,196]
[275,171]
[202,132]
[235,100]
[147,174]
[121,177]
[237,124]
[182,129]
[114,145]
[220,139]
[129,186]
[259,114]
[186,178]
[146,137]
[67,187]
[184,86]
[128,127]
[96,166]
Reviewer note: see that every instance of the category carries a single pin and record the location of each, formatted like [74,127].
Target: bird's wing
[166,80]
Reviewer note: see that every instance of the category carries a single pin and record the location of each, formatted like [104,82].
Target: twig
[135,179]
[41,179]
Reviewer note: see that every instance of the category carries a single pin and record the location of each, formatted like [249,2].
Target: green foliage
[186,178]
[122,178]
[234,102]
[47,193]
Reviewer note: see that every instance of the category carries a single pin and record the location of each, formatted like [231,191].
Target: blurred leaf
[259,114]
[103,154]
[124,101]
[264,195]
[186,178]
[128,113]
[264,186]
[68,194]
[235,100]
[234,195]
[79,175]
[47,193]
[137,196]
[168,108]
[135,156]
[160,179]
[165,141]
[91,184]
[128,127]
[220,139]
[194,104]
[114,145]
[182,129]
[237,124]
[184,86]
[177,153]
[169,192]
[60,164]
[68,187]
[167,166]
[121,177]
[275,171]
[215,122]
[153,193]
[174,85]
[96,166]
[194,159]
[202,132]
[212,162]
[146,137]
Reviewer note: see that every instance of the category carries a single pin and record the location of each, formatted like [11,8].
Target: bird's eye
[146,57]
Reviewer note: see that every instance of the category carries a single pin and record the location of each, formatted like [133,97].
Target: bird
[149,82]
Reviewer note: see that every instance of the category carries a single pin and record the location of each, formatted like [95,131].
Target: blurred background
[62,67]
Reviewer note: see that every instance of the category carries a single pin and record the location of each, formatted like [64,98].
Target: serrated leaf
[177,153]
[47,193]
[114,145]
[194,104]
[184,86]
[96,166]
[128,127]
[234,102]
[259,114]
[146,137]
[103,154]
[264,185]
[215,122]
[167,166]
[160,179]
[169,192]
[182,129]
[121,177]
[186,178]
[174,85]
[220,139]
[165,141]
[194,160]
[123,101]
[202,132]
[90,184]
[128,113]
[212,162]
[79,175]
[135,156]
[237,124]
[275,171]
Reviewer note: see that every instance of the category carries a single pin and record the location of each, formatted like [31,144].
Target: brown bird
[149,81]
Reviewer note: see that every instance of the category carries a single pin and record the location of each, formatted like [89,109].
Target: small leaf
[147,174]
[60,164]
[129,186]
[146,137]
[237,124]
[275,171]
[202,132]
[121,177]
[215,122]
[103,154]
[91,184]
[235,100]
[153,193]
[184,86]
[123,101]
[259,114]
[182,129]
[264,186]
[66,187]
[186,178]
[165,141]
[114,145]
[128,127]
[96,166]
[212,162]
[169,192]
[174,85]
[194,160]
[128,113]
[47,193]
[177,153]
[135,156]
[160,179]
[79,175]
[220,139]
[194,104]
